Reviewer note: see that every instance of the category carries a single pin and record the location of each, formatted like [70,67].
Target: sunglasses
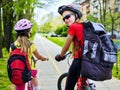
[67,17]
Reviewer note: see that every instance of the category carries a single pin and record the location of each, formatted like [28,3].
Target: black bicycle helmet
[72,8]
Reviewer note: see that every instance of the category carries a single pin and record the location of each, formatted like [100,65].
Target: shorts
[34,73]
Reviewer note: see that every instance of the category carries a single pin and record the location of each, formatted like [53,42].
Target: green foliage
[34,27]
[116,41]
[23,8]
[5,83]
[116,69]
[12,11]
[37,3]
[49,24]
[46,27]
[108,21]
[92,18]
[58,30]
[64,33]
[62,30]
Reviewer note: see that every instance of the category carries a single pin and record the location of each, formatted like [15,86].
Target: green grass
[58,40]
[5,83]
[116,69]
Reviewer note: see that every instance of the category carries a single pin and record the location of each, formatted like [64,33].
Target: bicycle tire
[60,79]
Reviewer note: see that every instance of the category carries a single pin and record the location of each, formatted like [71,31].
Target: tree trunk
[1,55]
[100,11]
[8,24]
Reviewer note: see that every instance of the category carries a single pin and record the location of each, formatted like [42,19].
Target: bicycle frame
[81,83]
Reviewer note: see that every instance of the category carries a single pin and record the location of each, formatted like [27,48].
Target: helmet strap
[76,17]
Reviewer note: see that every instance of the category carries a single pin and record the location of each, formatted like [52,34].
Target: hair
[24,42]
[74,48]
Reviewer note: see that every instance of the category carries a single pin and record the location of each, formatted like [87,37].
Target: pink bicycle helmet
[23,25]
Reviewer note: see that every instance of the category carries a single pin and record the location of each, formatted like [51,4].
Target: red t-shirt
[76,30]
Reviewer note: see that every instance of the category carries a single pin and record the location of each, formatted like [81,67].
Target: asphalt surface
[49,71]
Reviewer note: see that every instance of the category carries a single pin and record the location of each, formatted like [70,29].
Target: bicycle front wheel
[61,81]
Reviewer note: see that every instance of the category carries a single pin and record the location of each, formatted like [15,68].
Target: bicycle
[82,83]
[30,85]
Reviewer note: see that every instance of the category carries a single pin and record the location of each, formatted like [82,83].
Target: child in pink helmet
[23,28]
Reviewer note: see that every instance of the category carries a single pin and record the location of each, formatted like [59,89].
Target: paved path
[49,71]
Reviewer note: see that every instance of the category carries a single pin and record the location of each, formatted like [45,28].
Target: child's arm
[39,57]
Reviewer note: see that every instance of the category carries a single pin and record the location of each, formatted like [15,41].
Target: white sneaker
[37,88]
[93,86]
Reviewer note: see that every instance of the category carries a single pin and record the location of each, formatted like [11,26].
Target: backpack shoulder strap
[13,46]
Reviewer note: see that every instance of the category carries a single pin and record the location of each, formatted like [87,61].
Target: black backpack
[18,67]
[99,53]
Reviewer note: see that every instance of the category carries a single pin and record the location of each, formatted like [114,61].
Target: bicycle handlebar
[68,53]
[35,60]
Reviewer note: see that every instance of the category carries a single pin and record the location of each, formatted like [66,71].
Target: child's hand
[45,59]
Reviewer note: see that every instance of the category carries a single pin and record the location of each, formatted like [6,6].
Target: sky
[50,7]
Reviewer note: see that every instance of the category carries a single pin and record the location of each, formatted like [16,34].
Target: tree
[2,4]
[108,17]
[12,11]
[8,23]
[23,9]
[0,35]
[114,17]
[102,10]
[92,18]
[62,30]
[46,27]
